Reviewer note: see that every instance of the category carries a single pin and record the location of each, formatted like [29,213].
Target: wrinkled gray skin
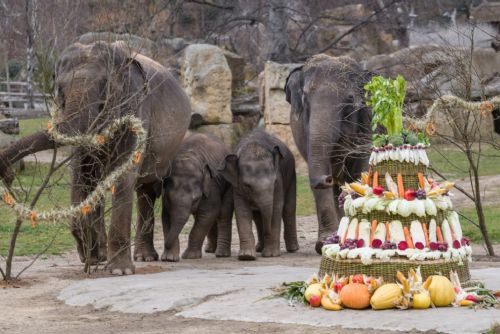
[331,128]
[262,173]
[96,83]
[195,187]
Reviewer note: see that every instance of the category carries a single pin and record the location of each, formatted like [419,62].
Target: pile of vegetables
[359,291]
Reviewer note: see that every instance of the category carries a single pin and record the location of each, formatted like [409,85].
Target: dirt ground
[31,306]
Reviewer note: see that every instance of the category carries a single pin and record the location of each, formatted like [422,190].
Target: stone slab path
[240,294]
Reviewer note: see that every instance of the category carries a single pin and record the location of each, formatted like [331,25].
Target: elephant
[331,127]
[95,84]
[262,173]
[194,186]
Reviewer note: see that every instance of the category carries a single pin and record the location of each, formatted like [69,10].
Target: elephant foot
[292,247]
[223,252]
[319,246]
[170,256]
[121,265]
[145,255]
[94,259]
[191,254]
[259,247]
[246,255]
[266,252]
[210,248]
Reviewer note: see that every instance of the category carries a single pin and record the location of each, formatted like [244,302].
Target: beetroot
[465,241]
[403,245]
[456,244]
[360,243]
[376,243]
[434,246]
[378,190]
[419,245]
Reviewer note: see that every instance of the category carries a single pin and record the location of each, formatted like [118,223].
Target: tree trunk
[31,29]
[277,35]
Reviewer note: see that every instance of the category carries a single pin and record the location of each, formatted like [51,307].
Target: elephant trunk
[178,218]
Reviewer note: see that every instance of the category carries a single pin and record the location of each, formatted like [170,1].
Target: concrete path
[239,294]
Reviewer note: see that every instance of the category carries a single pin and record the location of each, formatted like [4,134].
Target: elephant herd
[197,174]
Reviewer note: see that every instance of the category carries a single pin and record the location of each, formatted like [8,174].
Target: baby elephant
[262,173]
[195,187]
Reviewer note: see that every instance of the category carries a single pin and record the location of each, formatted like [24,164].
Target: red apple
[378,190]
[357,278]
[315,301]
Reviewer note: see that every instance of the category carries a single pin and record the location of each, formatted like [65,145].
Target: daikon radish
[364,232]
[432,231]
[396,230]
[352,229]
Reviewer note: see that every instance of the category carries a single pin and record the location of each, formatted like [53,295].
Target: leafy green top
[386,97]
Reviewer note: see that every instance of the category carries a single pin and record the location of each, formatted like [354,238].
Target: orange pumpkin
[355,295]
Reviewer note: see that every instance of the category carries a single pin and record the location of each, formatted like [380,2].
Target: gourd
[355,295]
[386,296]
[441,290]
[421,300]
[328,304]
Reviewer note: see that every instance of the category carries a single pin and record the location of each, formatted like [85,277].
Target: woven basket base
[388,270]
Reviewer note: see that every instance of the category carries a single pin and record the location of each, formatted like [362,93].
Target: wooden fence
[15,100]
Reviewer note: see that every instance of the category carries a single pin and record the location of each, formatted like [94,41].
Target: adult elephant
[95,84]
[331,128]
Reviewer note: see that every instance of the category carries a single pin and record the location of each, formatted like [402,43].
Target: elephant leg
[144,249]
[272,236]
[205,219]
[169,254]
[119,254]
[211,245]
[225,225]
[327,215]
[290,219]
[257,218]
[244,224]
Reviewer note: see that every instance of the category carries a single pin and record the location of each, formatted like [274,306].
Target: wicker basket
[388,269]
[409,171]
[382,216]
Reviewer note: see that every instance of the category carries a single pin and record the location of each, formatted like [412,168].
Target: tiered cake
[396,218]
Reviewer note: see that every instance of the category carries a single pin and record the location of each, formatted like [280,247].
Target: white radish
[396,231]
[432,231]
[445,227]
[364,230]
[351,231]
[417,232]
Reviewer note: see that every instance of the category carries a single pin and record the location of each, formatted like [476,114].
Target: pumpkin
[355,295]
[386,296]
[441,290]
[421,300]
[313,290]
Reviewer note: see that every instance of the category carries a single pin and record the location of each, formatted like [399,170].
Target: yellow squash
[385,297]
[441,290]
[421,300]
[328,304]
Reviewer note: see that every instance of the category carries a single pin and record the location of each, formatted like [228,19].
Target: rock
[247,104]
[142,45]
[284,133]
[206,78]
[275,107]
[237,65]
[486,12]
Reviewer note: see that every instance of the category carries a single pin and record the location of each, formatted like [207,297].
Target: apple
[315,301]
[378,190]
[410,195]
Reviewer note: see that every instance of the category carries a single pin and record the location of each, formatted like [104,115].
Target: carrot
[408,239]
[439,234]
[421,181]
[426,234]
[375,179]
[401,187]
[374,228]
[387,233]
[345,235]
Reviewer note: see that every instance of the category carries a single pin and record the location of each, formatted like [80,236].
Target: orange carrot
[439,234]
[408,239]
[401,187]
[421,182]
[374,228]
[387,233]
[375,179]
[426,234]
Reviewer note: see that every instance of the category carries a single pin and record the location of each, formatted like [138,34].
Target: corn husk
[455,225]
[445,227]
[380,232]
[391,185]
[344,222]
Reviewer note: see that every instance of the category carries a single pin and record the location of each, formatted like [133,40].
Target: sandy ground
[31,305]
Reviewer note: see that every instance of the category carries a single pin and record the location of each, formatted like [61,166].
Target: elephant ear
[294,90]
[277,156]
[207,180]
[230,169]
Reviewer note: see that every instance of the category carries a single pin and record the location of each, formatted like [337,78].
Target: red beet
[410,195]
[378,190]
[403,245]
[419,245]
[376,243]
[456,244]
[433,246]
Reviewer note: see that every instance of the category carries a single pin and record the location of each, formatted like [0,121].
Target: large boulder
[206,78]
[275,108]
